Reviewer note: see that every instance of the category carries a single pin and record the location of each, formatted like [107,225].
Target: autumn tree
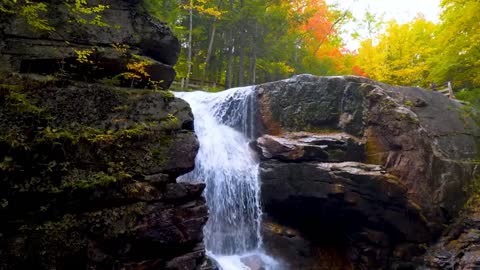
[458,36]
[402,53]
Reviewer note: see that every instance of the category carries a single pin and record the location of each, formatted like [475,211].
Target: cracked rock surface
[357,174]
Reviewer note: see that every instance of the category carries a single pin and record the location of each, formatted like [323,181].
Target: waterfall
[229,168]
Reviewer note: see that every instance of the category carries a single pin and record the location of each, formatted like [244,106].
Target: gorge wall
[88,170]
[88,178]
[357,174]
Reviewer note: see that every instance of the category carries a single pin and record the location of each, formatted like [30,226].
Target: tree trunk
[210,45]
[241,63]
[189,55]
[241,48]
[253,61]
[209,51]
[228,77]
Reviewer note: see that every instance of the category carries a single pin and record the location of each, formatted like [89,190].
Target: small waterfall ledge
[229,168]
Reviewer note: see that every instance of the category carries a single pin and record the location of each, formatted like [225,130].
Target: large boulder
[87,178]
[412,151]
[129,30]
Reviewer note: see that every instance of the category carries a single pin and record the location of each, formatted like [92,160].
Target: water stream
[229,168]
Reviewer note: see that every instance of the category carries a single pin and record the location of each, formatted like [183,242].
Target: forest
[242,42]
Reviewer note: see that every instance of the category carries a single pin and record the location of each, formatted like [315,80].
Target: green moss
[112,222]
[473,193]
[92,135]
[408,103]
[99,179]
[158,154]
[20,103]
[170,123]
[167,95]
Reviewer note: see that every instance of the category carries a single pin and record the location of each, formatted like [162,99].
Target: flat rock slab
[303,146]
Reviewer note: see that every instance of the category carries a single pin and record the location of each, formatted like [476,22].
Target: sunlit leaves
[401,55]
[458,42]
[33,12]
[36,12]
[83,13]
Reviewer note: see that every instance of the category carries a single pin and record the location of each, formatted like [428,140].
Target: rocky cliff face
[87,171]
[357,174]
[129,30]
[88,178]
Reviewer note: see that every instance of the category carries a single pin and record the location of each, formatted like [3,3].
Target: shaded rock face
[459,247]
[129,25]
[363,173]
[87,178]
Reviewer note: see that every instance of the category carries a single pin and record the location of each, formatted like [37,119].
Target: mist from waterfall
[229,168]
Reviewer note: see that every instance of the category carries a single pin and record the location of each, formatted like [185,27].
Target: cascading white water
[229,168]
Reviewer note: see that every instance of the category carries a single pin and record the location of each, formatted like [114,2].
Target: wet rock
[107,159]
[427,147]
[412,150]
[361,190]
[311,147]
[343,208]
[253,262]
[459,247]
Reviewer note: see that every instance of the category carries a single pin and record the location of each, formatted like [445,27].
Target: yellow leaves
[121,48]
[202,8]
[137,70]
[401,55]
[209,11]
[136,67]
[85,14]
[83,56]
[31,11]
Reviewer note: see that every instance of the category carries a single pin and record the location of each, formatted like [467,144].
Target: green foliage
[19,102]
[36,13]
[472,96]
[252,41]
[458,46]
[171,123]
[31,11]
[82,13]
[168,11]
[167,95]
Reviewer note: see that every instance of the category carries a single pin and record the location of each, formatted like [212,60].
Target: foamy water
[229,168]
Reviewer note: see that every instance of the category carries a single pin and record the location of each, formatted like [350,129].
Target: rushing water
[229,168]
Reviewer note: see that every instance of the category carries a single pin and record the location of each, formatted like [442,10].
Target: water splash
[229,168]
